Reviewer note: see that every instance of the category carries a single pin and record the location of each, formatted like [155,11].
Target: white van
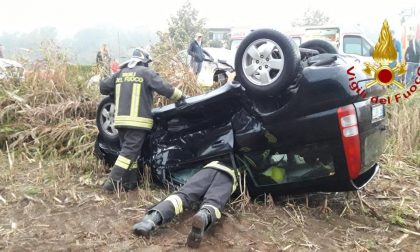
[349,40]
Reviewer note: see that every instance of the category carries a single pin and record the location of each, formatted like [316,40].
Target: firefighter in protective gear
[214,185]
[133,88]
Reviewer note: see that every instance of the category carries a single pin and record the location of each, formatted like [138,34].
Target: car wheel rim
[263,62]
[107,119]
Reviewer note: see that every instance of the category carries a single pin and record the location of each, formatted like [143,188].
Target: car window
[357,45]
[330,34]
[352,45]
[270,167]
[297,40]
[366,48]
[235,44]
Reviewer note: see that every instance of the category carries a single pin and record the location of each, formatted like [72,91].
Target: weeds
[169,65]
[51,112]
[404,131]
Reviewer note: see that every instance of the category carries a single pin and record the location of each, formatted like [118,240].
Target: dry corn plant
[243,200]
[171,67]
[146,182]
[404,131]
[52,111]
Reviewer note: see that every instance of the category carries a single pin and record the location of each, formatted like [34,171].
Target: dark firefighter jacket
[133,89]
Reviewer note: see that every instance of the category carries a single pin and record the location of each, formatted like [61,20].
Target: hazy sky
[70,15]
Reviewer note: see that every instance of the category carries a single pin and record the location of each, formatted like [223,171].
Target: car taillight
[351,141]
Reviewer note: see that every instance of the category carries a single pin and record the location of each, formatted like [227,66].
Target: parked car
[11,70]
[290,120]
[217,66]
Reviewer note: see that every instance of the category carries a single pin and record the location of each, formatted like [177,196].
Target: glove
[181,101]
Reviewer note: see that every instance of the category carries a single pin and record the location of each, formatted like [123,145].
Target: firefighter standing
[213,185]
[133,87]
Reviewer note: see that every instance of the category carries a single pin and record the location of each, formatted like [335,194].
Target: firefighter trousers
[131,141]
[211,186]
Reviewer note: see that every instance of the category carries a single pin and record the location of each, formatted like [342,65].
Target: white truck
[347,39]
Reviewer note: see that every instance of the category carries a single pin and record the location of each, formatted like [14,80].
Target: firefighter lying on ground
[212,185]
[133,87]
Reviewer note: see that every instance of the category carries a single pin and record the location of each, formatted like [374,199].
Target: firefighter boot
[147,224]
[114,182]
[130,179]
[201,222]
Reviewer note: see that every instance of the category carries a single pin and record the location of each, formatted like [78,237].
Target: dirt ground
[47,206]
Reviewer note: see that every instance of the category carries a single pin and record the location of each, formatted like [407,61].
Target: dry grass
[404,131]
[168,64]
[51,112]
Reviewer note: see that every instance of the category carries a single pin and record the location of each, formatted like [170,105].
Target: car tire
[267,62]
[105,119]
[320,45]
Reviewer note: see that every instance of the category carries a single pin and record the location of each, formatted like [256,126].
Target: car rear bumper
[364,178]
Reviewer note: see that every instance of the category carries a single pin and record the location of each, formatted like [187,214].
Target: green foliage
[166,61]
[184,25]
[216,43]
[312,18]
[181,31]
[397,218]
[31,190]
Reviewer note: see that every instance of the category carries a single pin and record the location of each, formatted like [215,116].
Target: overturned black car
[290,120]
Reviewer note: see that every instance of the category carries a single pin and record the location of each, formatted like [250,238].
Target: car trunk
[309,152]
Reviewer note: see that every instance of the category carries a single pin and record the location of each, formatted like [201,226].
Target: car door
[186,137]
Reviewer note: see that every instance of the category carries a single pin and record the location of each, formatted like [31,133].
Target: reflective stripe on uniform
[123,162]
[117,97]
[176,202]
[137,107]
[135,99]
[134,121]
[216,165]
[216,210]
[176,95]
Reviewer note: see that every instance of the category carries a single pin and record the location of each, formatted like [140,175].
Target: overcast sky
[70,16]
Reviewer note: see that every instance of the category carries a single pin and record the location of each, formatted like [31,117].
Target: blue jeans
[196,66]
[411,74]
